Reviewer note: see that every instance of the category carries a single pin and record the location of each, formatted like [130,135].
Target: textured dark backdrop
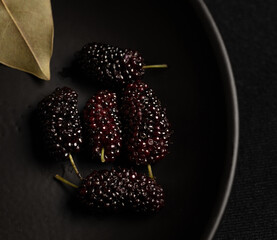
[249,30]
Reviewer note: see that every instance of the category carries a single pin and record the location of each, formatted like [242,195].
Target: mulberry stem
[103,155]
[74,167]
[155,66]
[58,177]
[150,173]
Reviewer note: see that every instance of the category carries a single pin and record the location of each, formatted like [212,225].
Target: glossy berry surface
[119,189]
[146,127]
[60,123]
[102,125]
[111,65]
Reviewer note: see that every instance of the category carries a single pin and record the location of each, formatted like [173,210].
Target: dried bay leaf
[26,36]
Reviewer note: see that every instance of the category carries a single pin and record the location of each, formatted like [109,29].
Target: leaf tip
[45,75]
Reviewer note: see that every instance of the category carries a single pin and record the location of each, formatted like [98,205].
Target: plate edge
[222,55]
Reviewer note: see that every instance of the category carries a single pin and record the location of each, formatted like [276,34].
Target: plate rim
[221,54]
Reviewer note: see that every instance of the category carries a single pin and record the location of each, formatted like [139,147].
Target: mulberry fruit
[102,125]
[60,123]
[146,129]
[120,189]
[111,65]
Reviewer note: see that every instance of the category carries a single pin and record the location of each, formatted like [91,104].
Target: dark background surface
[42,209]
[249,30]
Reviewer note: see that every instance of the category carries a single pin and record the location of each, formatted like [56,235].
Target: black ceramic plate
[197,89]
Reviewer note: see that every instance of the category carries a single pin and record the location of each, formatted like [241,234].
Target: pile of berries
[128,118]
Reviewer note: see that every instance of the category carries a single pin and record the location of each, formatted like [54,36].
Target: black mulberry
[146,129]
[102,125]
[120,189]
[111,65]
[60,123]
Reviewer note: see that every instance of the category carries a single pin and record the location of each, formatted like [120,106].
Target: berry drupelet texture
[60,123]
[146,129]
[112,65]
[121,189]
[102,125]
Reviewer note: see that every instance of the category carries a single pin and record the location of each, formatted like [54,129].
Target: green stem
[58,177]
[74,167]
[103,155]
[150,173]
[155,66]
